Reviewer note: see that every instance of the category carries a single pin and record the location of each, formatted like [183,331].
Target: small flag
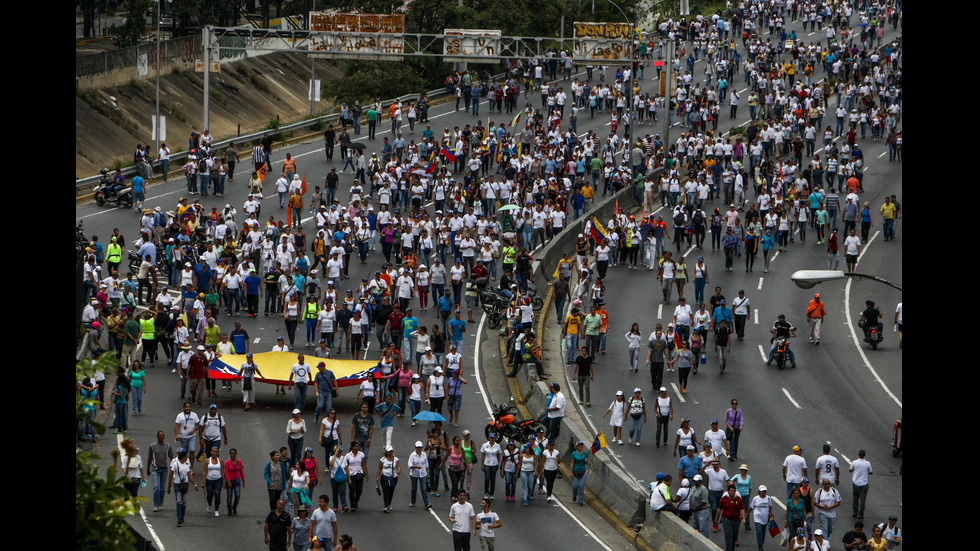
[598,232]
[303,189]
[262,172]
[431,169]
[599,443]
[449,154]
[517,117]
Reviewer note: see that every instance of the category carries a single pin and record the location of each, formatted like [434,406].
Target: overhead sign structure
[467,44]
[602,41]
[358,35]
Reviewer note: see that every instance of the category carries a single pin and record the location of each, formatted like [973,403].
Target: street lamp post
[807,279]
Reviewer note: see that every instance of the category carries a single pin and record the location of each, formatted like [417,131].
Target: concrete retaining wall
[611,490]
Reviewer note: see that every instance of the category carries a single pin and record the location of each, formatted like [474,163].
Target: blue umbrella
[428,416]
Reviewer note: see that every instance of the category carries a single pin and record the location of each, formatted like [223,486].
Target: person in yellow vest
[113,255]
[311,313]
[148,327]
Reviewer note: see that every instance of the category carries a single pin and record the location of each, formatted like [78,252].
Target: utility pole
[156,122]
[207,75]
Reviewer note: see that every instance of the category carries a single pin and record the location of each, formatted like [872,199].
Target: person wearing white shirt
[860,471]
[463,517]
[490,462]
[826,500]
[761,508]
[794,469]
[418,471]
[828,467]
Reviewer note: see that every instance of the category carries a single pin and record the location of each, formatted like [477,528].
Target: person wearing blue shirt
[253,285]
[138,191]
[202,276]
[409,323]
[446,305]
[723,313]
[689,465]
[457,328]
[299,281]
[150,249]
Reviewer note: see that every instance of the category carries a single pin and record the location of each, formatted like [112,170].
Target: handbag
[773,527]
[377,486]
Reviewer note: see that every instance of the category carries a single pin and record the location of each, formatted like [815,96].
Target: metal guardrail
[131,170]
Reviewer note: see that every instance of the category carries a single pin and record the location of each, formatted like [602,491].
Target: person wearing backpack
[638,415]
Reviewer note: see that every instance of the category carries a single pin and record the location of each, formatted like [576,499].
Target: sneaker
[411,505]
[637,444]
[630,439]
[208,508]
[427,507]
[217,514]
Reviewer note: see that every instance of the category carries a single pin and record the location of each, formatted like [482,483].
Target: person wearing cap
[731,512]
[761,509]
[815,314]
[389,468]
[212,430]
[618,409]
[578,465]
[821,538]
[197,366]
[794,469]
[418,471]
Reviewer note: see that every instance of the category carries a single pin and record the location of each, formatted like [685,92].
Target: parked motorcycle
[134,265]
[507,427]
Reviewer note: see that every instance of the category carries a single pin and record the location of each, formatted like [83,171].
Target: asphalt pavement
[837,394]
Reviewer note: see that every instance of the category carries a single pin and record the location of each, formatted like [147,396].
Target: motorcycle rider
[871,317]
[782,328]
[114,184]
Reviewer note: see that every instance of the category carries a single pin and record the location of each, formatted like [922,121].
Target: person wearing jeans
[418,471]
[490,462]
[161,455]
[234,481]
[637,420]
[577,463]
[731,513]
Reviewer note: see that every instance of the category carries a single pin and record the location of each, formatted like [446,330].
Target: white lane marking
[256,341]
[854,337]
[689,250]
[583,526]
[486,403]
[882,154]
[773,259]
[864,249]
[153,533]
[760,283]
[439,520]
[677,391]
[660,311]
[755,314]
[762,353]
[841,454]
[780,503]
[786,392]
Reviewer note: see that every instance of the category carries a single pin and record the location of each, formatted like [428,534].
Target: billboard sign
[467,44]
[358,35]
[602,41]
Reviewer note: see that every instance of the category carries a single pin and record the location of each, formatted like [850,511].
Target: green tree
[101,502]
[133,28]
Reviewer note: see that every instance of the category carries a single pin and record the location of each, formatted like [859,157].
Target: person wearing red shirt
[197,370]
[731,512]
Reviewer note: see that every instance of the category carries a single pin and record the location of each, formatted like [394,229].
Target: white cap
[663,389]
[388,448]
[296,411]
[418,443]
[637,389]
[619,393]
[763,488]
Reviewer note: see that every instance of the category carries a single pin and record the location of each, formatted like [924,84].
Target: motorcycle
[506,426]
[81,242]
[135,261]
[536,302]
[123,198]
[782,352]
[874,335]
